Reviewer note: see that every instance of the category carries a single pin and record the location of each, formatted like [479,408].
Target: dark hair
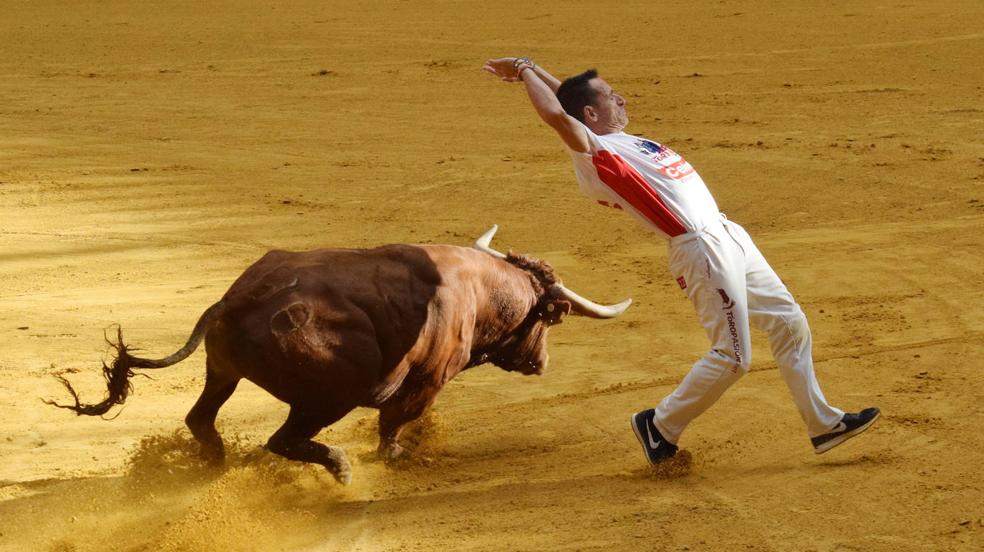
[541,274]
[576,92]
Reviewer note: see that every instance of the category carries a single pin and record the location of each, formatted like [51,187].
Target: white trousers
[730,285]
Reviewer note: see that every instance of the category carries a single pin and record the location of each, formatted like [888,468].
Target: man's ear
[555,311]
[590,113]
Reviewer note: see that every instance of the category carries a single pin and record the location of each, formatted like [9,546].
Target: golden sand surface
[149,152]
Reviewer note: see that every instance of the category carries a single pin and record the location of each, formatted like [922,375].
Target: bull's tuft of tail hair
[117,376]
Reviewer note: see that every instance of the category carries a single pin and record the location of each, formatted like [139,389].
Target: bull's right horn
[482,244]
[586,307]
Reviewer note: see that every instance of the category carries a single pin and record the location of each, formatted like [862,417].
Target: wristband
[521,68]
[518,62]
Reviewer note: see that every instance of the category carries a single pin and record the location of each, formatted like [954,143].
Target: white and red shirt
[646,179]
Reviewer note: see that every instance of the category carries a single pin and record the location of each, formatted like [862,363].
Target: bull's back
[302,324]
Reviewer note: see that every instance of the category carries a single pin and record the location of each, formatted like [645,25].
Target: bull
[329,330]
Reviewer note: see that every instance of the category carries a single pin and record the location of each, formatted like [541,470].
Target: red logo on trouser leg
[728,303]
[732,329]
[682,282]
[735,343]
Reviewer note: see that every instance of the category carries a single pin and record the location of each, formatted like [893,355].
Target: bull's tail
[119,373]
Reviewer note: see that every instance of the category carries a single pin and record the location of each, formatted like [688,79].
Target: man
[713,259]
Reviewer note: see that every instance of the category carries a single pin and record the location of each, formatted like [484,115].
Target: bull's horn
[482,244]
[580,305]
[587,307]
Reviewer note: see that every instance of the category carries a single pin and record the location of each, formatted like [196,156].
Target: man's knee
[791,323]
[733,359]
[797,325]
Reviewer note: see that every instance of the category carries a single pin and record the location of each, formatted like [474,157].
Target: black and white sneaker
[656,447]
[850,425]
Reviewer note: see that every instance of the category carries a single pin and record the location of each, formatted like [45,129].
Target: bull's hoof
[344,477]
[212,456]
[340,466]
[391,452]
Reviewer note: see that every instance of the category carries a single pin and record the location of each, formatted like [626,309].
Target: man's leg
[771,307]
[713,269]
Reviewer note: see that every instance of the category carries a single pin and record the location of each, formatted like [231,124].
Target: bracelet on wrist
[518,63]
[521,68]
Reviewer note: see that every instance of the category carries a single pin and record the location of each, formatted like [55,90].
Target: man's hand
[541,87]
[504,68]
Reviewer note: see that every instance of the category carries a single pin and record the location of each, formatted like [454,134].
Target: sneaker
[850,425]
[656,447]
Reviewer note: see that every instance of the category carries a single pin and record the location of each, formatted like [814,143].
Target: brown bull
[333,329]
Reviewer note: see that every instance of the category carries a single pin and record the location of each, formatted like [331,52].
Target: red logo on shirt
[677,170]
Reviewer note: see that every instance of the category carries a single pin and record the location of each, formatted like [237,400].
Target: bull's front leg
[395,414]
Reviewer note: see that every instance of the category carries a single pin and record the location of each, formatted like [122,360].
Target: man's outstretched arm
[541,87]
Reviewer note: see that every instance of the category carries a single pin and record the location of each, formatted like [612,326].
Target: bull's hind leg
[293,441]
[201,418]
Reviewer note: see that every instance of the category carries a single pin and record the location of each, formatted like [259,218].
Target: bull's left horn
[586,307]
[482,244]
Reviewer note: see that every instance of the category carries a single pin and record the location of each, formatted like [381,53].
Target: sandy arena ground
[149,152]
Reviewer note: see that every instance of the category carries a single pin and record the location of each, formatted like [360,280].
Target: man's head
[589,99]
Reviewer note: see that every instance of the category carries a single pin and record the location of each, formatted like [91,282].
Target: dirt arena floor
[149,152]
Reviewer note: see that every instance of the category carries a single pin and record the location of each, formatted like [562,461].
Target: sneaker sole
[840,439]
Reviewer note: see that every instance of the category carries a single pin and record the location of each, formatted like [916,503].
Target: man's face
[609,108]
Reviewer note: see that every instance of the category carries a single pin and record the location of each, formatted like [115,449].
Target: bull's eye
[551,307]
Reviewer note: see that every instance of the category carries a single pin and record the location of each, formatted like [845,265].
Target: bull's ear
[555,311]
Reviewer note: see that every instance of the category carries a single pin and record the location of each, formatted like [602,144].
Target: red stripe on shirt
[632,187]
